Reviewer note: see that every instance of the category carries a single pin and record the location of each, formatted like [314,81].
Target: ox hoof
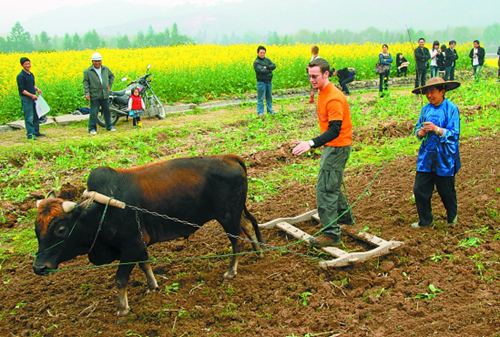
[123,312]
[228,275]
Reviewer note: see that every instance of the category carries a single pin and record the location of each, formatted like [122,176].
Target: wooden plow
[342,258]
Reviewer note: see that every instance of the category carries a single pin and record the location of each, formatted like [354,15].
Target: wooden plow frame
[342,258]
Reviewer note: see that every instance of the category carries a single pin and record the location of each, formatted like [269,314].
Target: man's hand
[39,92]
[87,97]
[301,148]
[34,97]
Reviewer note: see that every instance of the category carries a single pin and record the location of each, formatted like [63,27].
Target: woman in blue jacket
[438,157]
[385,59]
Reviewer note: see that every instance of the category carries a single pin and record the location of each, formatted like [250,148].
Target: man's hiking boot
[325,240]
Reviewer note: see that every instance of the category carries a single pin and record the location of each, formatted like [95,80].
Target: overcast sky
[238,16]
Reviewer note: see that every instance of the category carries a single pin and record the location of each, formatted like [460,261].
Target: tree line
[20,40]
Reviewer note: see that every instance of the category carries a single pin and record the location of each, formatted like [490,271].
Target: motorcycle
[118,100]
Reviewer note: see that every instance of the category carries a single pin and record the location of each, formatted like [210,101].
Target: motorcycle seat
[119,93]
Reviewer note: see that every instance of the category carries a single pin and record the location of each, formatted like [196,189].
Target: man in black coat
[264,72]
[477,58]
[422,57]
[451,58]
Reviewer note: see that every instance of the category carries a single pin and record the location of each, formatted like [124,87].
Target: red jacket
[136,102]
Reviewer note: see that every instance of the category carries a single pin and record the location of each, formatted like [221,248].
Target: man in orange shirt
[335,125]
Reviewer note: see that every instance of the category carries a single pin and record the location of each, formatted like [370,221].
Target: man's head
[25,63]
[385,48]
[96,60]
[421,42]
[319,71]
[476,43]
[452,43]
[315,50]
[261,52]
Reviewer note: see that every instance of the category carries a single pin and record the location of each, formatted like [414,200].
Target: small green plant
[471,242]
[304,297]
[438,257]
[183,313]
[172,288]
[434,291]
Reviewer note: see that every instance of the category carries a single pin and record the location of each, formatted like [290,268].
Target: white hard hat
[96,57]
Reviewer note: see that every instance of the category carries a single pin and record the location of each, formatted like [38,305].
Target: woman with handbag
[384,69]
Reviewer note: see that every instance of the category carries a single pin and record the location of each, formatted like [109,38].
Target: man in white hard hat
[97,83]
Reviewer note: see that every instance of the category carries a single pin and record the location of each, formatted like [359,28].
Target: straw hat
[436,82]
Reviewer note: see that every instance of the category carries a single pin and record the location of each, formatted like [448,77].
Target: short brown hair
[321,63]
[315,49]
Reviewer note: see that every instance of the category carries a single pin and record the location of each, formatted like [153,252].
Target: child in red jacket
[136,107]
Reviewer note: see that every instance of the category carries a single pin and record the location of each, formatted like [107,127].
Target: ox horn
[68,206]
[38,202]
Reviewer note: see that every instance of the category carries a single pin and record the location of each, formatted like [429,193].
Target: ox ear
[68,206]
[51,194]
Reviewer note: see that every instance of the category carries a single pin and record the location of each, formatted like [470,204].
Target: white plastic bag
[42,108]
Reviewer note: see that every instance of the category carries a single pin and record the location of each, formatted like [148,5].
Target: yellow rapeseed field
[183,73]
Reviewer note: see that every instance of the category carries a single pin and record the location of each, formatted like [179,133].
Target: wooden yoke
[103,199]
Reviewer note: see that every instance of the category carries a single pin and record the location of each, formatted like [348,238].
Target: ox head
[59,238]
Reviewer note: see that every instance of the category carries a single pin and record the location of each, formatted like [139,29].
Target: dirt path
[286,294]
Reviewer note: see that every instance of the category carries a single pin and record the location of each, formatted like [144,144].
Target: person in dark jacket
[422,57]
[498,53]
[264,72]
[28,93]
[97,83]
[402,65]
[385,59]
[441,60]
[345,75]
[451,58]
[477,58]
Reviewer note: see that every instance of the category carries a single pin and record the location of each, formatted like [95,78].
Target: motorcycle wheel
[157,109]
[114,117]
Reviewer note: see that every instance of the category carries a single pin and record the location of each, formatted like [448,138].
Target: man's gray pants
[331,202]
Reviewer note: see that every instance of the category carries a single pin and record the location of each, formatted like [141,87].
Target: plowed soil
[285,293]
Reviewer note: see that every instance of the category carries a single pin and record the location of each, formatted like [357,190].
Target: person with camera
[438,161]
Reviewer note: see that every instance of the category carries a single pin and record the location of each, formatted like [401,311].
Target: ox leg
[150,277]
[233,264]
[122,277]
[247,228]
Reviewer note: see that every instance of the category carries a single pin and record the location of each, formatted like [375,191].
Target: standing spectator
[477,58]
[441,61]
[451,58]
[402,65]
[314,56]
[385,59]
[498,53]
[345,75]
[334,119]
[434,54]
[264,71]
[438,157]
[422,57]
[97,83]
[28,93]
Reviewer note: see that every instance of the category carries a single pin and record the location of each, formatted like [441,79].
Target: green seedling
[437,257]
[471,242]
[304,298]
[434,291]
[172,288]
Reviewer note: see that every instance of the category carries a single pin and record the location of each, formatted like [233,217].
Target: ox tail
[255,225]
